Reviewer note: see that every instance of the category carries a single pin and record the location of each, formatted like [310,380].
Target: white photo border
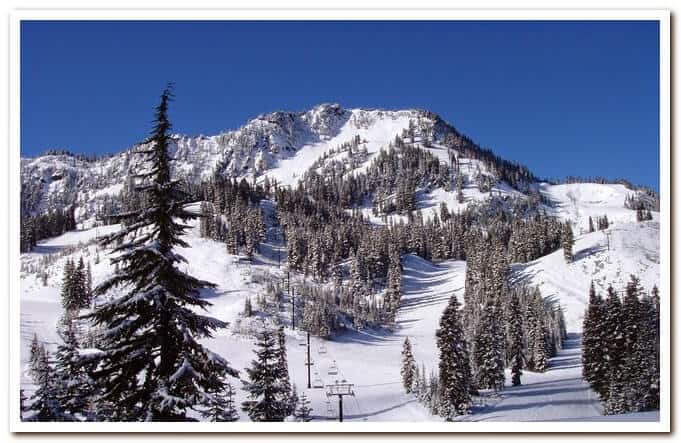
[661,16]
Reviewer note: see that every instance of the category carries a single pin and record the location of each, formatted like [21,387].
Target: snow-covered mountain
[282,146]
[283,143]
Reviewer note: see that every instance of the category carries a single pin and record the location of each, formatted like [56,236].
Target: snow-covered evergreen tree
[268,398]
[283,375]
[36,354]
[648,383]
[221,406]
[151,364]
[75,387]
[454,366]
[45,403]
[303,410]
[517,339]
[248,308]
[408,370]
[614,351]
[489,349]
[568,242]
[594,366]
[634,358]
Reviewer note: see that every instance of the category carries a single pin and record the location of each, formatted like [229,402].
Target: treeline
[391,179]
[640,203]
[489,312]
[78,156]
[498,327]
[320,236]
[52,224]
[241,227]
[520,331]
[621,348]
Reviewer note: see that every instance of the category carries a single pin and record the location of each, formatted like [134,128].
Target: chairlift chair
[333,368]
[317,382]
[322,349]
[330,411]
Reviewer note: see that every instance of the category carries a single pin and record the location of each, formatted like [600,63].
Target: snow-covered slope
[368,359]
[579,201]
[634,249]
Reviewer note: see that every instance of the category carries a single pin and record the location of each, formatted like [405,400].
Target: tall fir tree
[594,367]
[268,398]
[151,364]
[454,367]
[408,370]
[76,388]
[649,378]
[568,241]
[283,376]
[615,347]
[45,404]
[634,360]
[489,348]
[515,323]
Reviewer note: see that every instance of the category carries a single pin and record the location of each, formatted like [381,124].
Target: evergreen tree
[517,338]
[591,225]
[88,285]
[221,407]
[76,388]
[268,397]
[455,371]
[283,374]
[69,299]
[594,367]
[35,355]
[649,377]
[151,365]
[408,370]
[615,348]
[634,360]
[45,405]
[303,411]
[568,242]
[489,349]
[248,308]
[80,283]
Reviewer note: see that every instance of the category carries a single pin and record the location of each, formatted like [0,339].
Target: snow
[634,249]
[378,134]
[558,394]
[370,359]
[579,201]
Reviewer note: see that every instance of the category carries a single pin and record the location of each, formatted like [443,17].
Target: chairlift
[330,411]
[322,349]
[333,368]
[317,382]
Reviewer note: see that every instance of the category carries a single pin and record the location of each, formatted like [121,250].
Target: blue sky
[564,98]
